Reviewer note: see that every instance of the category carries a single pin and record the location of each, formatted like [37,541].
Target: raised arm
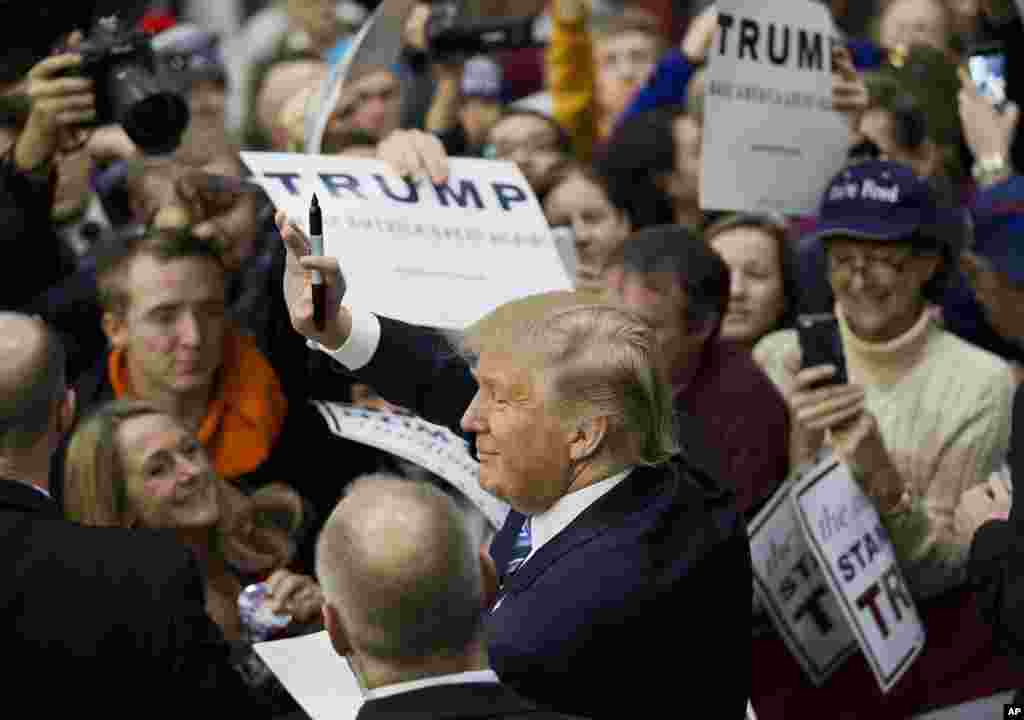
[414,367]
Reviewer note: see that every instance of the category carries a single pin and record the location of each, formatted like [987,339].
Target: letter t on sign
[869,599]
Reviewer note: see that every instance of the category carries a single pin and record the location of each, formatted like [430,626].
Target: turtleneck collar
[874,364]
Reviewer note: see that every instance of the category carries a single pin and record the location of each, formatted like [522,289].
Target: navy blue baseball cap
[882,201]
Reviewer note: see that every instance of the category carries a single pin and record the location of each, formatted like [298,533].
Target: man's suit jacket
[104,622]
[647,591]
[996,566]
[466,701]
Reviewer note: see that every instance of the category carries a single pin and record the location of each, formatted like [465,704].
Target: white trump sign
[792,587]
[848,539]
[771,139]
[437,255]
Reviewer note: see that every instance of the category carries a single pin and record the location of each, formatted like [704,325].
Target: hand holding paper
[849,91]
[414,153]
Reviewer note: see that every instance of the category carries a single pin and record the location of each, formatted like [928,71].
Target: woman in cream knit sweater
[925,415]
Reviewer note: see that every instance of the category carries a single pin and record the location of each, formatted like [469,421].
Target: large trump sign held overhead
[441,255]
[771,139]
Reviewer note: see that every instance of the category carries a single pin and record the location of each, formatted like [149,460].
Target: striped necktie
[520,550]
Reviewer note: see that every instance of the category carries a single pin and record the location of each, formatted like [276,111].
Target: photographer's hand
[414,34]
[59,103]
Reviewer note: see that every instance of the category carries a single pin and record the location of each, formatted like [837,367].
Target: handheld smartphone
[820,344]
[987,69]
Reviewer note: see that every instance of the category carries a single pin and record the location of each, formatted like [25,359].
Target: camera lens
[152,117]
[156,124]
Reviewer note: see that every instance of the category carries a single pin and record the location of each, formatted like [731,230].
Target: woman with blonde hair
[129,464]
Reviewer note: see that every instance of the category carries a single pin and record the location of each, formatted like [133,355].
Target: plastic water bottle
[259,621]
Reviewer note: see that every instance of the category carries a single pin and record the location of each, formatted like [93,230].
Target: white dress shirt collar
[473,676]
[546,525]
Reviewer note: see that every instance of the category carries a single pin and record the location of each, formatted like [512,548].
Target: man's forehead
[625,40]
[153,281]
[501,367]
[519,126]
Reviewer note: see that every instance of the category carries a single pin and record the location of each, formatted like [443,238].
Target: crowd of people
[160,451]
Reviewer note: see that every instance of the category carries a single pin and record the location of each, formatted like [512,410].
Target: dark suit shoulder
[463,701]
[147,568]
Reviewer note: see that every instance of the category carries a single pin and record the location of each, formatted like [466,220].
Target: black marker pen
[316,238]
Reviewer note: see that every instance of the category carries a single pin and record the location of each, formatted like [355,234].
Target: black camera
[452,37]
[122,65]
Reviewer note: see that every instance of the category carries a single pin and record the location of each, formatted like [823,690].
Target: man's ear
[336,630]
[587,438]
[115,328]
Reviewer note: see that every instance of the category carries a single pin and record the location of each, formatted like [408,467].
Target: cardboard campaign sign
[795,592]
[848,539]
[771,139]
[437,255]
[411,438]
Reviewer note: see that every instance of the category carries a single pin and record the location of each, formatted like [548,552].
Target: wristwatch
[990,169]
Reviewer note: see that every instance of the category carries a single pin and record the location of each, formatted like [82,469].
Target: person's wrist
[991,168]
[337,331]
[34,149]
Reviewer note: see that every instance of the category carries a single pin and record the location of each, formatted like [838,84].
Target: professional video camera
[451,37]
[122,65]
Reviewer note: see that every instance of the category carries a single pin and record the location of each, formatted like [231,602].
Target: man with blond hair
[405,603]
[615,541]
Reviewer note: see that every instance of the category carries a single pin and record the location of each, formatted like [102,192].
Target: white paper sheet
[319,679]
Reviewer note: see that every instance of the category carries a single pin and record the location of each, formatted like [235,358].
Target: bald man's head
[397,562]
[31,380]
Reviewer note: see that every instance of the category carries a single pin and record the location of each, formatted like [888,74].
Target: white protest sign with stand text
[793,589]
[771,140]
[851,544]
[411,438]
[436,255]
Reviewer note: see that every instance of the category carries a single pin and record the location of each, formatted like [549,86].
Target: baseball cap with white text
[882,201]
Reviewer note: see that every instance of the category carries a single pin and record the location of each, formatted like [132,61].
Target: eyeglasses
[881,269]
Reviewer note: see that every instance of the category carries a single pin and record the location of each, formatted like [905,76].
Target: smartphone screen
[988,71]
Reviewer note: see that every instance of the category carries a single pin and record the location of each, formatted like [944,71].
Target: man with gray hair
[615,540]
[90,612]
[405,603]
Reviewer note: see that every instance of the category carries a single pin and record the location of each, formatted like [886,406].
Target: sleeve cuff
[361,345]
